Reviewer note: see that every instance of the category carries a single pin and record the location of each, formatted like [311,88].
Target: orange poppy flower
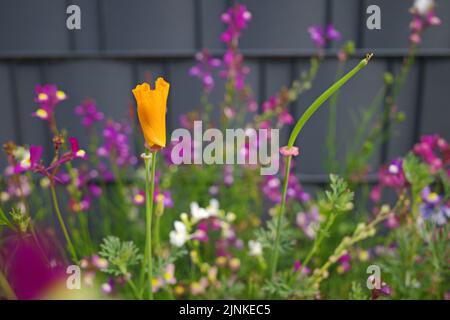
[151,108]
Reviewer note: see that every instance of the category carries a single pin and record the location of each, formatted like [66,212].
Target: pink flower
[289,151]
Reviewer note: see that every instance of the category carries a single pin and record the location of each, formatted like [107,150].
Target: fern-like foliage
[120,255]
[266,236]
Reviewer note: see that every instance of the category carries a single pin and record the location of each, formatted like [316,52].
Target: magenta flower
[47,96]
[435,151]
[423,18]
[139,198]
[31,276]
[321,36]
[383,288]
[34,164]
[344,265]
[236,18]
[392,175]
[88,111]
[298,266]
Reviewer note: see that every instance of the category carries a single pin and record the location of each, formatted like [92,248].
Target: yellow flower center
[139,198]
[81,153]
[155,282]
[167,276]
[60,95]
[433,196]
[42,96]
[364,255]
[25,163]
[41,113]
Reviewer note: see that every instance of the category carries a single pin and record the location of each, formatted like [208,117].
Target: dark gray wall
[123,42]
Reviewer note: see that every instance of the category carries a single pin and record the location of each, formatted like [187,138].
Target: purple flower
[88,111]
[429,197]
[321,36]
[272,189]
[438,214]
[204,67]
[228,178]
[116,145]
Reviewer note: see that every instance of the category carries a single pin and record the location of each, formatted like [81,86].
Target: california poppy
[151,108]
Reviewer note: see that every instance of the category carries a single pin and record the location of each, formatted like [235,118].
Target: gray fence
[122,41]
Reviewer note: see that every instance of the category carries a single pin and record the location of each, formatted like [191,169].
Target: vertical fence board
[7,130]
[149,25]
[282,24]
[109,83]
[436,114]
[33,26]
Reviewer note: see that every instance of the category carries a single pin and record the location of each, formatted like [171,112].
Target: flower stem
[324,97]
[149,190]
[297,129]
[275,250]
[62,224]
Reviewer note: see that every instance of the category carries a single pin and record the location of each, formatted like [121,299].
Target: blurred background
[123,42]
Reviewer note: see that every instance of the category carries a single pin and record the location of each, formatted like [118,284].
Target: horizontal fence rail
[122,43]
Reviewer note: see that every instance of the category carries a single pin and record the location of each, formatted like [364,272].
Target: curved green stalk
[297,129]
[324,97]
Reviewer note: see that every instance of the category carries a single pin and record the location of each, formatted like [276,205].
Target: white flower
[255,248]
[423,6]
[198,213]
[213,207]
[179,236]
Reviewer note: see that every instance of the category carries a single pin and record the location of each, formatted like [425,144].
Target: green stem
[297,129]
[324,97]
[62,224]
[149,190]
[276,247]
[6,288]
[332,119]
[156,239]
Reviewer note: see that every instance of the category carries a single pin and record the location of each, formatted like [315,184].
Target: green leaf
[120,255]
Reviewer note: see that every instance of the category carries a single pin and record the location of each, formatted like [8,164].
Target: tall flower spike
[151,107]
